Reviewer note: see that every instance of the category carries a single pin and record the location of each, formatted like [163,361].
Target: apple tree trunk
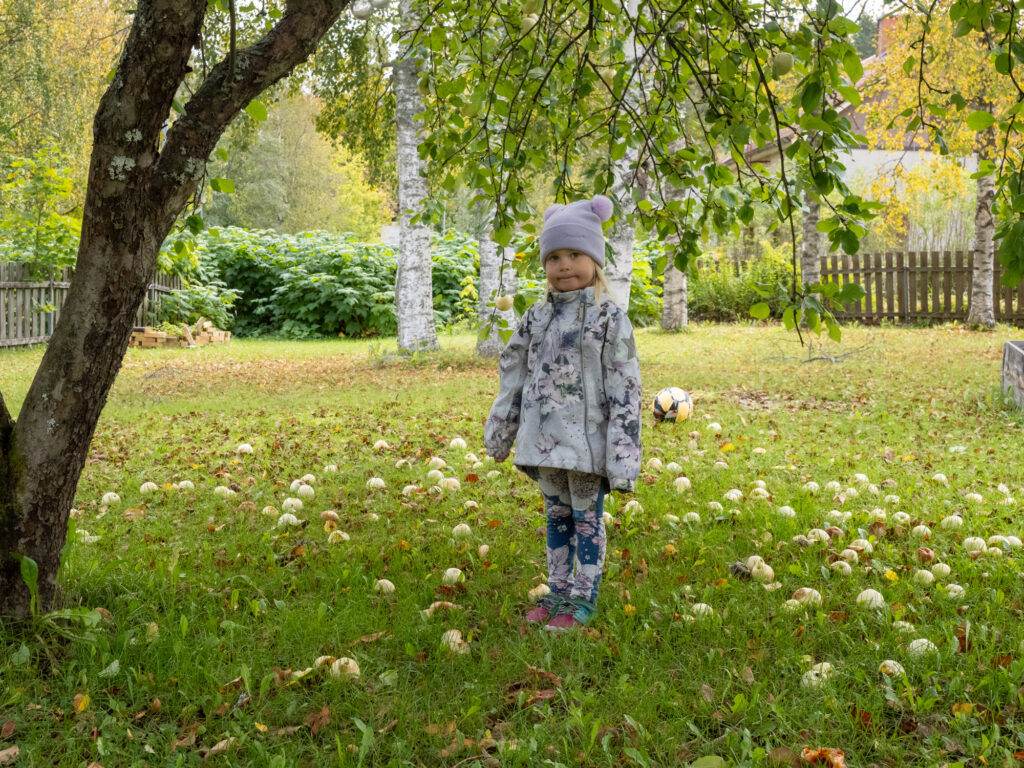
[143,171]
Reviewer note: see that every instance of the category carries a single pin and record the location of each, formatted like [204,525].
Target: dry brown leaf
[94,764]
[287,730]
[708,693]
[748,675]
[370,638]
[9,755]
[7,729]
[536,696]
[316,720]
[542,674]
[187,738]
[220,748]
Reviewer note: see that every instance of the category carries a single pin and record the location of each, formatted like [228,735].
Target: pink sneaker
[573,612]
[563,622]
[546,607]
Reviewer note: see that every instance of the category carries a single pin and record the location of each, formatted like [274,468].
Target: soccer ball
[672,404]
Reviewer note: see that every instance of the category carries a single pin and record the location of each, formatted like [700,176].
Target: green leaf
[789,318]
[257,111]
[849,93]
[227,186]
[979,120]
[761,310]
[810,99]
[850,293]
[195,224]
[21,657]
[30,575]
[854,69]
[834,332]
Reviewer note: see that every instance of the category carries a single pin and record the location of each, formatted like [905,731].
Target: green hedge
[316,284]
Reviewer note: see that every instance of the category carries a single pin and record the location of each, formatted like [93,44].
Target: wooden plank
[947,284]
[879,286]
[890,302]
[936,284]
[960,284]
[911,286]
[901,285]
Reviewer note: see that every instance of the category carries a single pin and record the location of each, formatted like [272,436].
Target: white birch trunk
[622,235]
[981,312]
[414,294]
[675,313]
[810,248]
[494,282]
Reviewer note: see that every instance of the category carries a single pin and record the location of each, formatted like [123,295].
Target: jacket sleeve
[503,421]
[622,389]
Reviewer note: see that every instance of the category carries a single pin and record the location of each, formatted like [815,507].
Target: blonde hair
[600,285]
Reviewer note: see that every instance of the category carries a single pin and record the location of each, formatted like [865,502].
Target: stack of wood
[202,333]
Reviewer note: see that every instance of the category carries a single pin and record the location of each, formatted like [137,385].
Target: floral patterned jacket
[570,391]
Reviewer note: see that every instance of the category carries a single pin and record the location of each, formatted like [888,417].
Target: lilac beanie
[576,226]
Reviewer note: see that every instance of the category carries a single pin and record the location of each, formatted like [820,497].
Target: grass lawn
[203,613]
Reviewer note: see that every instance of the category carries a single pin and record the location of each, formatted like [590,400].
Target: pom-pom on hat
[576,226]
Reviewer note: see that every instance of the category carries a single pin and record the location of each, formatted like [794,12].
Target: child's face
[569,270]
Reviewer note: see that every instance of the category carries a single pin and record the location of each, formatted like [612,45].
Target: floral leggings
[576,535]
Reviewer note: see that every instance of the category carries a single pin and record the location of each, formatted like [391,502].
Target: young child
[570,399]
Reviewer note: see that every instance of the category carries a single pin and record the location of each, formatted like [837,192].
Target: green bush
[316,284]
[721,293]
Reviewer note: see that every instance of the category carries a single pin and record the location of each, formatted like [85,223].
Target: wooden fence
[909,287]
[30,307]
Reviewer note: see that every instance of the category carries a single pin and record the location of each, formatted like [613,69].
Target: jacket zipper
[583,380]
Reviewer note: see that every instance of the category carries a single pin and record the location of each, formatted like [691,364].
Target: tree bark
[626,176]
[494,282]
[136,190]
[675,313]
[810,248]
[981,308]
[414,294]
[981,312]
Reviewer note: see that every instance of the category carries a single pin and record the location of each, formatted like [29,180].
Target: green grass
[202,590]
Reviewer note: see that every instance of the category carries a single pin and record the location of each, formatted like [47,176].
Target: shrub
[316,284]
[722,293]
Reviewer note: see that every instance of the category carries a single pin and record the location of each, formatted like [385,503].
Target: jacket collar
[569,297]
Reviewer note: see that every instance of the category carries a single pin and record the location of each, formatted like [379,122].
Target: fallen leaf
[287,730]
[748,675]
[187,738]
[708,693]
[220,748]
[81,702]
[316,720]
[1002,661]
[370,638]
[9,755]
[94,764]
[7,729]
[862,718]
[152,709]
[536,696]
[542,674]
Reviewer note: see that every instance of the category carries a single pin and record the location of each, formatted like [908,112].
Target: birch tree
[144,169]
[414,296]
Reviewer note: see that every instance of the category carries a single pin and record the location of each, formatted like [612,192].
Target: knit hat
[576,226]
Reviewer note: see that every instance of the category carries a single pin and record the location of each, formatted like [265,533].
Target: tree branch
[220,98]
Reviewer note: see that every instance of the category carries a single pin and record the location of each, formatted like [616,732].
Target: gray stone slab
[1013,370]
